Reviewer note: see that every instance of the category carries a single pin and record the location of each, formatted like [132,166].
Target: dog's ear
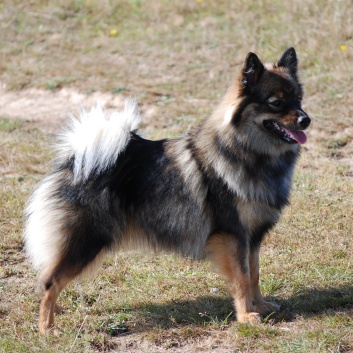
[289,61]
[252,71]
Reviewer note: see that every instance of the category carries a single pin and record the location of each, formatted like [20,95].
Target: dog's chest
[266,182]
[254,215]
[262,188]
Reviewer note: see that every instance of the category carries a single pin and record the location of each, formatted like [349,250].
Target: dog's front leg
[231,256]
[261,306]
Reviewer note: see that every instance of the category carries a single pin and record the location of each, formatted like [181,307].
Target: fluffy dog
[216,191]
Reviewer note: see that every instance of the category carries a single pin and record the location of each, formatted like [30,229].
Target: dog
[216,191]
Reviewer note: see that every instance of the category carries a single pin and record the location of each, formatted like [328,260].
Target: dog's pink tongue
[298,136]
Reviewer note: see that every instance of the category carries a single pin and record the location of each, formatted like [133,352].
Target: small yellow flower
[343,47]
[113,32]
[199,1]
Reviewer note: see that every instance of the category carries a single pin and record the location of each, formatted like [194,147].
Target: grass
[178,57]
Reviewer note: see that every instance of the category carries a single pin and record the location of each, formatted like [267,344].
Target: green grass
[178,57]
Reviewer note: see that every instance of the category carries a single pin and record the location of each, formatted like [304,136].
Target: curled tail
[96,138]
[90,144]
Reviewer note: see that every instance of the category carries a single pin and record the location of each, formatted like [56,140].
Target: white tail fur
[96,138]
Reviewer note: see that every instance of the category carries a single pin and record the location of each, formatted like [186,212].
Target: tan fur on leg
[261,306]
[48,304]
[232,259]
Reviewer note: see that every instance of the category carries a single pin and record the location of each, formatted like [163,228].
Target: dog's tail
[96,138]
[88,147]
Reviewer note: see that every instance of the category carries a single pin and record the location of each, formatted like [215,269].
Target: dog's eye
[277,104]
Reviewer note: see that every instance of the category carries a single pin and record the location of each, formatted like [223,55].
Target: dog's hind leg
[261,306]
[231,256]
[53,285]
[67,269]
[86,239]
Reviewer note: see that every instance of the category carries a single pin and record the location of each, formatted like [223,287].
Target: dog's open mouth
[289,136]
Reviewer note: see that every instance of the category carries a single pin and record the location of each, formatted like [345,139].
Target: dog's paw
[267,307]
[49,331]
[54,331]
[249,318]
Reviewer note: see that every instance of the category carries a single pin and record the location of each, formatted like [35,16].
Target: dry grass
[178,58]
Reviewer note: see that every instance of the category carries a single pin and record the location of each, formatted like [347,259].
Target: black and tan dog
[215,191]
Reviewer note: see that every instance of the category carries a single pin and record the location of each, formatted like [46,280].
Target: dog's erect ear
[289,61]
[252,71]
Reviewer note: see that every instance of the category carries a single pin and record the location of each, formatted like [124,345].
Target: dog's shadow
[213,309]
[311,302]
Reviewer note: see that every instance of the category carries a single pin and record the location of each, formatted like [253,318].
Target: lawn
[178,58]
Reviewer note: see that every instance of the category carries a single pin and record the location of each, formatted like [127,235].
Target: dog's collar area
[286,135]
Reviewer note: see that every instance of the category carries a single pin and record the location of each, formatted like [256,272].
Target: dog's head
[268,111]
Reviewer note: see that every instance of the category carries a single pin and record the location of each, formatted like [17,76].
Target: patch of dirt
[47,110]
[132,344]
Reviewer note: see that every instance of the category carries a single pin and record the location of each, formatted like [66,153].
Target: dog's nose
[304,121]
